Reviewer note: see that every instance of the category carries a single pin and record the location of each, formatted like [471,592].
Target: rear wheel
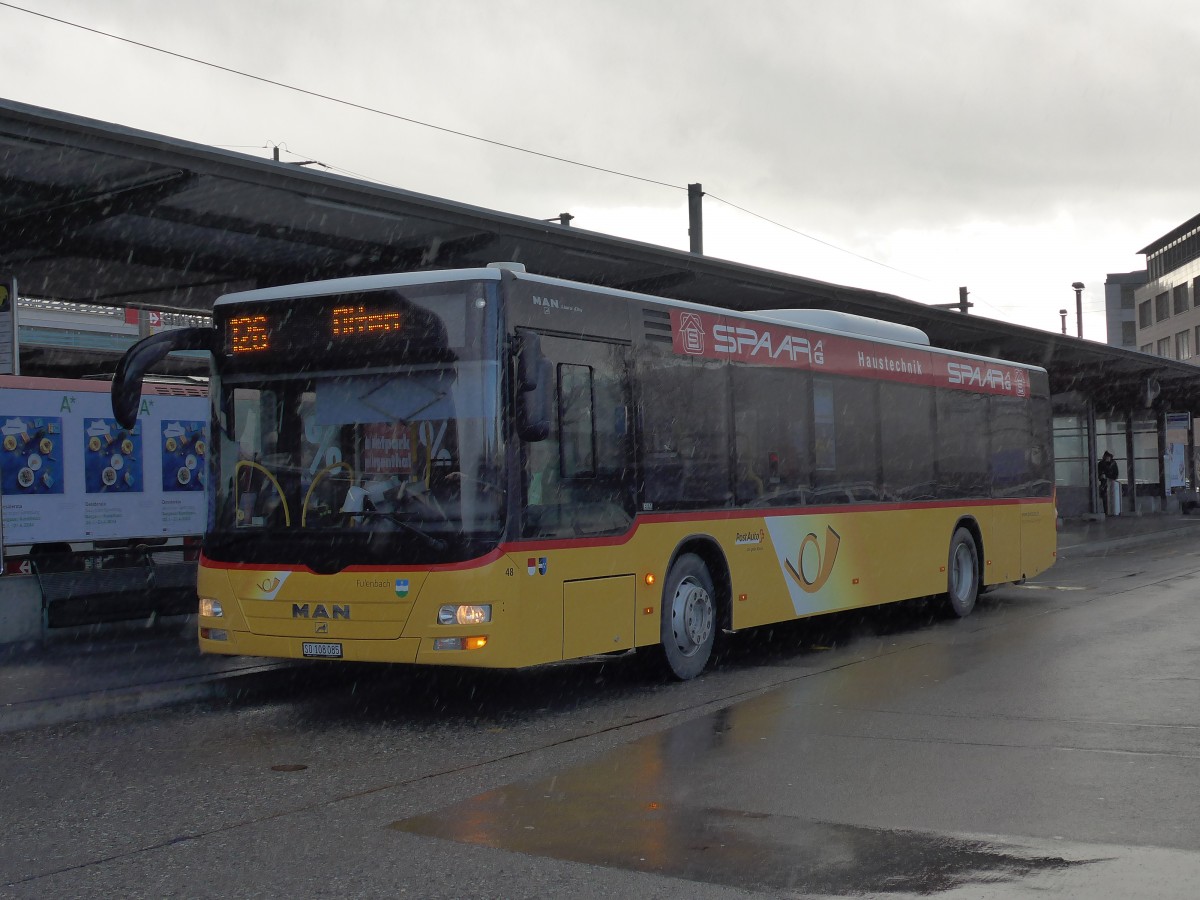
[962,574]
[689,617]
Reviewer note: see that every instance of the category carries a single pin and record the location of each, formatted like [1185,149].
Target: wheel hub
[692,616]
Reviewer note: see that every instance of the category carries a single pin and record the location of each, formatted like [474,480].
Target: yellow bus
[487,467]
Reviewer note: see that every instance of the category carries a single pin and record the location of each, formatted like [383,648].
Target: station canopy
[102,214]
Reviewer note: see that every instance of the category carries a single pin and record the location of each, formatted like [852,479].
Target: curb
[1099,548]
[141,698]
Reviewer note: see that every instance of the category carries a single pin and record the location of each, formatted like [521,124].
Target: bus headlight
[465,615]
[211,608]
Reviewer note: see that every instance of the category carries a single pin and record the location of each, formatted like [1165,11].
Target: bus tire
[962,574]
[689,617]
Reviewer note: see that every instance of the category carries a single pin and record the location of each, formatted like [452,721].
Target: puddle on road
[741,849]
[655,806]
[725,799]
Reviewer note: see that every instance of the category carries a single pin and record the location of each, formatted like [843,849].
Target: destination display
[333,325]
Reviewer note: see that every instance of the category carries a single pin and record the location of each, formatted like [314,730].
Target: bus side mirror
[127,382]
[535,378]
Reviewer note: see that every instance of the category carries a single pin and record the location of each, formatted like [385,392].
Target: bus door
[579,487]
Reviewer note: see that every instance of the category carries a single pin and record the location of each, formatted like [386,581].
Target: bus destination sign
[256,332]
[249,334]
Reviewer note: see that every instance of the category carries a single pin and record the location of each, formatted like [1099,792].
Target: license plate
[322,650]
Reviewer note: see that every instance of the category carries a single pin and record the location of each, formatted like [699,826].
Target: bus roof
[357,284]
[823,320]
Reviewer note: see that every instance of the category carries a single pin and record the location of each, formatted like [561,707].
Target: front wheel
[962,574]
[689,617]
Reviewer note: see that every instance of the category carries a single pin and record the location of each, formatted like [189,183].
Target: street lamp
[1078,285]
[1063,313]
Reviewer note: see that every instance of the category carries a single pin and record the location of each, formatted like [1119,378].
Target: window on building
[1162,306]
[1164,347]
[1128,334]
[1183,345]
[1144,320]
[1127,291]
[1149,348]
[1179,298]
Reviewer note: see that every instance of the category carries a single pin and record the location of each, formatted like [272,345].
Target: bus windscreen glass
[353,448]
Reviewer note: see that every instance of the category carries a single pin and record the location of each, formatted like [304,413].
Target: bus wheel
[962,579]
[689,617]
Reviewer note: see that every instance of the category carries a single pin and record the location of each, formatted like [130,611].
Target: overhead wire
[812,238]
[441,128]
[332,99]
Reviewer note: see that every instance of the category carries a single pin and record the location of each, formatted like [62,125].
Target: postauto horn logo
[822,560]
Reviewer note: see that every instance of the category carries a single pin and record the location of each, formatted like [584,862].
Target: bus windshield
[324,461]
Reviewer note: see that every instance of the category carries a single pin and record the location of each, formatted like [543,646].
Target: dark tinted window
[773,426]
[576,416]
[847,434]
[906,439]
[1010,450]
[962,444]
[685,429]
[1041,452]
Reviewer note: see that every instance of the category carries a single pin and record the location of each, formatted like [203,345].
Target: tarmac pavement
[98,671]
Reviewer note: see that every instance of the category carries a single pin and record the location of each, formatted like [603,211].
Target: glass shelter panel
[1071,464]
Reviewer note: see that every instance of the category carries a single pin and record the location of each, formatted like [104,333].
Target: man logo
[822,565]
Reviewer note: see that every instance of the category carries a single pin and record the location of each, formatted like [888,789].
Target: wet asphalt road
[1048,745]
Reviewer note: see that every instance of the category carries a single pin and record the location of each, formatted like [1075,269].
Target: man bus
[486,467]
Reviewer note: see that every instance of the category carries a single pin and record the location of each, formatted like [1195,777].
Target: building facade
[1120,307]
[1168,316]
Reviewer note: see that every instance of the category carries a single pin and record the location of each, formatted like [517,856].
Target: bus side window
[962,444]
[685,421]
[847,440]
[576,415]
[771,443]
[1010,458]
[579,477]
[906,441]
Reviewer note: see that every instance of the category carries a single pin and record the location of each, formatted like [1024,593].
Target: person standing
[1107,471]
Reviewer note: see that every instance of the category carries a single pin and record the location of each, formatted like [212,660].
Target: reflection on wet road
[642,807]
[992,759]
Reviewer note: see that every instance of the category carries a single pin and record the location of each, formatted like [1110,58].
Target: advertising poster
[31,458]
[1175,458]
[69,472]
[184,450]
[113,458]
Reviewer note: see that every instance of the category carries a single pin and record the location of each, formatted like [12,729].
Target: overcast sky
[1012,146]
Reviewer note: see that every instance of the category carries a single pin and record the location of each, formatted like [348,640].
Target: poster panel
[69,472]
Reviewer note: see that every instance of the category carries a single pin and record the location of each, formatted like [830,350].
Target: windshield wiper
[433,542]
